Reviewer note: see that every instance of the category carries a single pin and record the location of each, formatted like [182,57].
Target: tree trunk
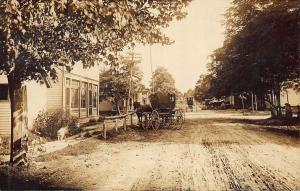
[255,100]
[262,102]
[127,104]
[118,107]
[252,101]
[243,105]
[12,86]
[278,101]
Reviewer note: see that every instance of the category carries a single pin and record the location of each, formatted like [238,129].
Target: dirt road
[207,154]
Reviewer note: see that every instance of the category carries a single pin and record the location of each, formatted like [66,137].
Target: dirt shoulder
[207,154]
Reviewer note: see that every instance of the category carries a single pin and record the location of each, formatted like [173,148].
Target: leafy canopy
[163,81]
[115,81]
[36,35]
[261,50]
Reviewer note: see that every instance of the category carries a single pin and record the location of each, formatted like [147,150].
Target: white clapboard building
[75,92]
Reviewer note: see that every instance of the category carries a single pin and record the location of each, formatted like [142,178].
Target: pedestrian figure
[288,111]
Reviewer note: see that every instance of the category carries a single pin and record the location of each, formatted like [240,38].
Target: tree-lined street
[230,153]
[103,95]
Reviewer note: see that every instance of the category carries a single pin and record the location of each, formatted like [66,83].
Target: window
[75,84]
[94,96]
[75,100]
[94,99]
[67,92]
[84,95]
[75,94]
[68,83]
[90,98]
[3,92]
[67,97]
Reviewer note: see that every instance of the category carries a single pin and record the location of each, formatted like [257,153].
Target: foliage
[189,93]
[47,123]
[201,90]
[37,35]
[115,81]
[4,146]
[163,81]
[261,50]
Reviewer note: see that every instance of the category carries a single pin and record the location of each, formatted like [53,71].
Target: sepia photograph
[150,95]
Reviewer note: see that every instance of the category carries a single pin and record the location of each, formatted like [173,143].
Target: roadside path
[207,154]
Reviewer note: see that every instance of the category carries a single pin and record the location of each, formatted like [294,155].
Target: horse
[140,109]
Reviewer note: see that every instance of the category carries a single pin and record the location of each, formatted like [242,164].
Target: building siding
[4,118]
[55,93]
[4,112]
[48,99]
[36,100]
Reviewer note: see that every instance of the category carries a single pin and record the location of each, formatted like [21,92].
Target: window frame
[7,93]
[68,93]
[84,89]
[75,87]
[94,96]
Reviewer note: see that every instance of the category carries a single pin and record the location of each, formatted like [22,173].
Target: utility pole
[130,81]
[131,58]
[152,80]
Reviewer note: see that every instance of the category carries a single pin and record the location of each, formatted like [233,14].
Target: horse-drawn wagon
[161,113]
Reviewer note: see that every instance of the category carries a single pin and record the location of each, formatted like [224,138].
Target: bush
[93,120]
[47,123]
[4,145]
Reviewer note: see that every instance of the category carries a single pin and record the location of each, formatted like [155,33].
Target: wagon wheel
[155,120]
[183,115]
[178,120]
[145,121]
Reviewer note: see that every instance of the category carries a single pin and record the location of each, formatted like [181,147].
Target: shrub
[93,120]
[4,145]
[47,123]
[101,119]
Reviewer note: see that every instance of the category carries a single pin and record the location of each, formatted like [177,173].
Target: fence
[115,120]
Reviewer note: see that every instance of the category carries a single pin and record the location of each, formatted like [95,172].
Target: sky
[196,37]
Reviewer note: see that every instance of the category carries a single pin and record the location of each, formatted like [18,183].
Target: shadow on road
[20,179]
[205,133]
[223,131]
[280,127]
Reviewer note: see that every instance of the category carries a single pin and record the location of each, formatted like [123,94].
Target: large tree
[201,91]
[37,35]
[116,82]
[261,50]
[162,81]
